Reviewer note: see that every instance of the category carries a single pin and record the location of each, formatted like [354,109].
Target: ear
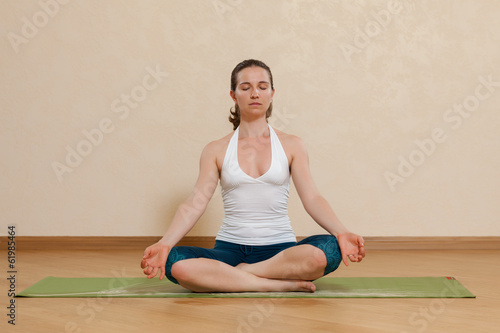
[272,94]
[233,95]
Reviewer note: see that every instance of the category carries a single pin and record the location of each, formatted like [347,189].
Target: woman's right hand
[154,259]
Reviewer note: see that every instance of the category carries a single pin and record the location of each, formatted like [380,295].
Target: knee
[316,262]
[180,271]
[319,260]
[327,251]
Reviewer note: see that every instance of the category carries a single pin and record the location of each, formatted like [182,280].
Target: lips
[255,104]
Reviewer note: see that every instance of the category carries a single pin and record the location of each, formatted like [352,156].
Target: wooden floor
[479,271]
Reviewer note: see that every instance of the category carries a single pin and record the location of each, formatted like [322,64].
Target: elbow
[189,213]
[312,202]
[196,204]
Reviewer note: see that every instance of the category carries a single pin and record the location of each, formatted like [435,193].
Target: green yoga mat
[358,287]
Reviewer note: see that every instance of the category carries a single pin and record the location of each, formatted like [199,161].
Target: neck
[256,128]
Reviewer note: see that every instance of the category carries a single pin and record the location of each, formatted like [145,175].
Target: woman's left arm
[351,245]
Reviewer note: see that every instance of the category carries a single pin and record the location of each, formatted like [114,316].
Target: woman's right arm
[188,213]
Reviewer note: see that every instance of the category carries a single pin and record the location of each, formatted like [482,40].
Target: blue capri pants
[235,254]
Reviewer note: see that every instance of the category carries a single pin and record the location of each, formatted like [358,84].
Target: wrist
[165,243]
[341,232]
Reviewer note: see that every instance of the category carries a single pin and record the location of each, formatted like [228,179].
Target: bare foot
[293,285]
[283,285]
[307,286]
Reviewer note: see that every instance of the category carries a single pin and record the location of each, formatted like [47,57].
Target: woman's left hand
[352,246]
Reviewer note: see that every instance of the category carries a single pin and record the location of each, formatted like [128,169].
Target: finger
[144,263]
[362,251]
[354,258]
[153,273]
[147,253]
[162,275]
[344,259]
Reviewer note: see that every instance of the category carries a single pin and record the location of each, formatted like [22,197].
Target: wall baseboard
[141,242]
[433,243]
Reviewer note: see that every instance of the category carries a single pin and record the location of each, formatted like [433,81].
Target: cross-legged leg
[302,262]
[207,275]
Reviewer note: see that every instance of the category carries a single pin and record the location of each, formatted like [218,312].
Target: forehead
[253,74]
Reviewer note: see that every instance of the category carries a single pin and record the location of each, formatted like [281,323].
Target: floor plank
[477,270]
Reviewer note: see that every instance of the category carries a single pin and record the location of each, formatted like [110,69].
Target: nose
[255,93]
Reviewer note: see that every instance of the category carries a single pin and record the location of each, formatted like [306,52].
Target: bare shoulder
[290,142]
[293,145]
[216,145]
[216,150]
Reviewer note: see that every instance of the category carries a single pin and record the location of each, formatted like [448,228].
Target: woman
[255,248]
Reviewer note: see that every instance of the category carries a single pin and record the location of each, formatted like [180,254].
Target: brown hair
[234,116]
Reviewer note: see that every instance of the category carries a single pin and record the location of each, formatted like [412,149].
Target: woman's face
[253,92]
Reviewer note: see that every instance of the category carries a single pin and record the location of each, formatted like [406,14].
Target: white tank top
[256,209]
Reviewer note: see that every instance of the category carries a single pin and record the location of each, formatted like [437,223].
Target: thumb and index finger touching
[361,246]
[361,250]
[147,253]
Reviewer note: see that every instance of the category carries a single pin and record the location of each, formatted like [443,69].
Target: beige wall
[360,81]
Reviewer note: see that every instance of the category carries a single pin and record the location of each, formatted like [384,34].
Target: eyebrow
[259,82]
